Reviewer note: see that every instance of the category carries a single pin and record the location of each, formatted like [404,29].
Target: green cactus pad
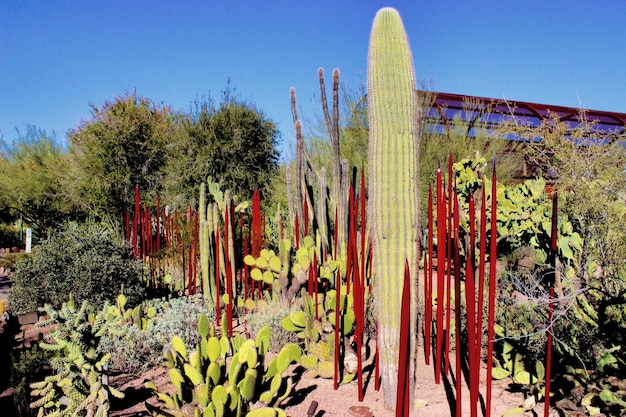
[249,304]
[224,346]
[203,325]
[283,360]
[274,264]
[148,385]
[261,263]
[179,346]
[213,348]
[177,379]
[234,369]
[271,370]
[166,400]
[233,397]
[262,340]
[266,412]
[249,260]
[295,352]
[326,369]
[268,277]
[192,373]
[194,359]
[347,378]
[309,361]
[288,325]
[213,373]
[247,353]
[266,397]
[321,350]
[219,394]
[121,301]
[256,274]
[248,384]
[202,393]
[276,383]
[298,318]
[170,362]
[209,411]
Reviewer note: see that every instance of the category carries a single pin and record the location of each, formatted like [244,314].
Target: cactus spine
[393,206]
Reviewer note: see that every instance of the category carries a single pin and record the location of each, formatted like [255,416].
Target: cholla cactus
[393,206]
[79,385]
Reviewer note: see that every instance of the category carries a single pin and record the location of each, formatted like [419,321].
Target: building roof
[488,112]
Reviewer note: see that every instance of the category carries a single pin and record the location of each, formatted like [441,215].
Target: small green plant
[223,376]
[79,385]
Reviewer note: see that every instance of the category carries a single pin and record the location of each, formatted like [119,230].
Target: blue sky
[57,57]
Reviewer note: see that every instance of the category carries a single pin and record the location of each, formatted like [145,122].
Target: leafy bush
[89,260]
[135,349]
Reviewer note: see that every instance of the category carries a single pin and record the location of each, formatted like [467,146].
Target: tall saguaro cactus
[393,205]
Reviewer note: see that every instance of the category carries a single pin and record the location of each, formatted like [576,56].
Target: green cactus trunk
[207,257]
[393,205]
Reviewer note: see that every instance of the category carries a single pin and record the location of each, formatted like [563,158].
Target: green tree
[32,172]
[123,144]
[233,142]
[585,165]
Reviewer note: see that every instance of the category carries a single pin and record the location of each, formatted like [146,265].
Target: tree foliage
[123,144]
[32,180]
[233,142]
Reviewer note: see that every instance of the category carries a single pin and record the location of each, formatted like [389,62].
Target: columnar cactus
[393,205]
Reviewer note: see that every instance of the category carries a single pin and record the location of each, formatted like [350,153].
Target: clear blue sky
[57,57]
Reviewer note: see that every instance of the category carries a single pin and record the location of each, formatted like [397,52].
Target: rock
[360,411]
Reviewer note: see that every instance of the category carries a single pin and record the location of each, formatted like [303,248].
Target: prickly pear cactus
[223,376]
[393,212]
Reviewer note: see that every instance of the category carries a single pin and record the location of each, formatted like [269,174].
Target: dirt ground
[433,399]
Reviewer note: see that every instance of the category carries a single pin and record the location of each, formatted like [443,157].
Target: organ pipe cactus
[393,206]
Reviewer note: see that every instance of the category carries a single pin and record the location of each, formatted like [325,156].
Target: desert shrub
[132,351]
[137,349]
[88,260]
[256,320]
